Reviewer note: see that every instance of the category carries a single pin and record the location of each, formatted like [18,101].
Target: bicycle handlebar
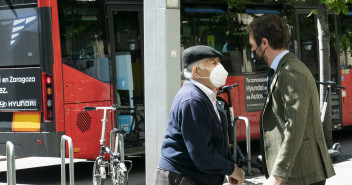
[226,88]
[332,84]
[113,107]
[89,108]
[229,86]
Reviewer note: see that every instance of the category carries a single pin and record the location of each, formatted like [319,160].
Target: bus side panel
[84,127]
[80,87]
[239,108]
[253,117]
[346,81]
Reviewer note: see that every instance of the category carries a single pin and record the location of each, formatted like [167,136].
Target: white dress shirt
[277,60]
[210,93]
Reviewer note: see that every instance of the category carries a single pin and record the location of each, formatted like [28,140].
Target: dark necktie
[270,78]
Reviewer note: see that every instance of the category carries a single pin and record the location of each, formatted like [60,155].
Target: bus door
[345,29]
[126,42]
[86,73]
[307,48]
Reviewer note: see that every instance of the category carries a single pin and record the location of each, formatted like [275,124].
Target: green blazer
[292,138]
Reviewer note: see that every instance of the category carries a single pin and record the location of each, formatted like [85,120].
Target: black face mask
[256,59]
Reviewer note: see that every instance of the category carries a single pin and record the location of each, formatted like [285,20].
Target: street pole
[324,66]
[162,73]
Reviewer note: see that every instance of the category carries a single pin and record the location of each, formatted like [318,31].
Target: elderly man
[195,149]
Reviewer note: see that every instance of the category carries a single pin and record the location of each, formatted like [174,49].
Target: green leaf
[315,12]
[345,10]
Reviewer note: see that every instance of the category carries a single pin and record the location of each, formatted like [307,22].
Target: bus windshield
[19,35]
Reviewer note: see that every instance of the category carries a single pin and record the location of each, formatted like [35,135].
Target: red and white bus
[56,59]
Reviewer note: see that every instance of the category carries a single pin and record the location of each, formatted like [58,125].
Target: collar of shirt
[210,93]
[277,60]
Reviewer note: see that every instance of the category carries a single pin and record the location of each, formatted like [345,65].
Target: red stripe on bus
[44,3]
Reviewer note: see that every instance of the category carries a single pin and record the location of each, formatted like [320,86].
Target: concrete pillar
[162,73]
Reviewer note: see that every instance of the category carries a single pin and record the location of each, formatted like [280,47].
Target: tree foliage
[338,6]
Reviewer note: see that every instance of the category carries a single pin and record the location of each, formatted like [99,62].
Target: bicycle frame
[325,104]
[236,148]
[329,84]
[104,120]
[119,144]
[227,89]
[117,168]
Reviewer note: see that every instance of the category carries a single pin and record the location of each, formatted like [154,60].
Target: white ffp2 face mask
[217,76]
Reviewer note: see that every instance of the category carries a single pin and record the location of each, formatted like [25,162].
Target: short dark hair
[271,27]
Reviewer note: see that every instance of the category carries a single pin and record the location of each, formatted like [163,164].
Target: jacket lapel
[276,76]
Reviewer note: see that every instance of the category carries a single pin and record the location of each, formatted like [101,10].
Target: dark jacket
[293,143]
[195,144]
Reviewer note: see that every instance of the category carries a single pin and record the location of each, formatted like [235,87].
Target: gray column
[162,73]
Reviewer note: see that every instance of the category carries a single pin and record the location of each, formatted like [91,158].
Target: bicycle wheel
[119,174]
[97,180]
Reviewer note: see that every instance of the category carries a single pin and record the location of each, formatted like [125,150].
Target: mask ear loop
[263,53]
[263,42]
[205,68]
[210,71]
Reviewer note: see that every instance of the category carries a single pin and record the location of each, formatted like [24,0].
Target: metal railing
[11,167]
[248,142]
[63,152]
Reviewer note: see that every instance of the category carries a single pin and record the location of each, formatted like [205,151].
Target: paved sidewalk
[343,175]
[256,178]
[33,162]
[343,169]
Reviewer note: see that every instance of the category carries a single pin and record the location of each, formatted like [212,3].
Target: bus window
[334,67]
[19,37]
[127,28]
[212,25]
[345,40]
[83,38]
[308,43]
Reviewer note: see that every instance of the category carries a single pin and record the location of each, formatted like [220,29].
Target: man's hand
[237,176]
[273,181]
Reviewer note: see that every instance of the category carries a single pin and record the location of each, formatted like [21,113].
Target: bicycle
[237,152]
[116,168]
[133,138]
[335,151]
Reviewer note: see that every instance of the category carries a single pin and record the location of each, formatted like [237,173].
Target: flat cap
[195,53]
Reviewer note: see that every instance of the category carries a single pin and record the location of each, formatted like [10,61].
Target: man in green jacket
[292,139]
